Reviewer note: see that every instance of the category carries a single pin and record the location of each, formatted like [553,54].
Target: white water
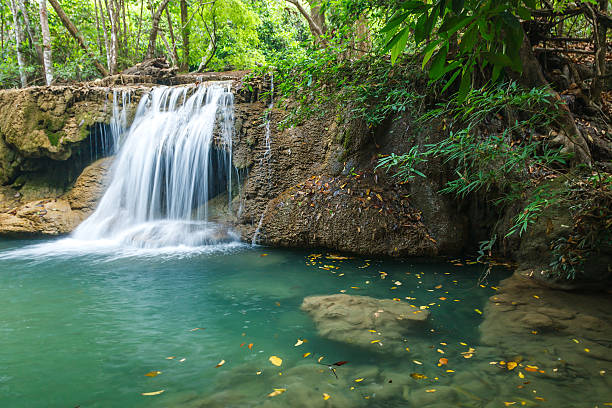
[166,170]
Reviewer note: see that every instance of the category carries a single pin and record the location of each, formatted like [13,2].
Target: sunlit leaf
[521,375]
[250,346]
[220,363]
[359,380]
[299,343]
[418,376]
[320,359]
[277,391]
[511,365]
[443,361]
[153,373]
[478,311]
[532,369]
[432,390]
[375,341]
[276,361]
[417,362]
[182,359]
[170,358]
[258,373]
[153,393]
[326,396]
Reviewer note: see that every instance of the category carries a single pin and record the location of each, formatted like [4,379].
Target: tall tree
[46,36]
[114,40]
[185,35]
[155,27]
[18,42]
[315,18]
[30,30]
[77,35]
[175,58]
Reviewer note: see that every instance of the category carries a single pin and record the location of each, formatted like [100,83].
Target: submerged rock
[364,321]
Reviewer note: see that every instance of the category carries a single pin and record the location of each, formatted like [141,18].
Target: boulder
[365,321]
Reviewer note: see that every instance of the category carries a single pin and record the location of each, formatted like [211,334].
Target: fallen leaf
[372,331]
[198,328]
[375,341]
[511,365]
[326,396]
[153,373]
[220,363]
[298,343]
[340,363]
[477,311]
[258,373]
[359,379]
[540,398]
[242,344]
[575,341]
[521,375]
[305,355]
[153,393]
[418,376]
[440,351]
[277,391]
[263,255]
[530,368]
[509,403]
[443,361]
[587,350]
[170,358]
[320,358]
[432,390]
[276,361]
[450,371]
[250,346]
[417,362]
[438,287]
[407,348]
[182,359]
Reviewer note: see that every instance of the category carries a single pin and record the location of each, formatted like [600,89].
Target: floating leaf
[372,331]
[587,350]
[242,344]
[263,255]
[375,341]
[521,375]
[575,341]
[532,369]
[417,362]
[418,376]
[478,311]
[220,363]
[511,365]
[170,358]
[450,371]
[198,328]
[182,359]
[258,373]
[340,363]
[153,373]
[407,348]
[277,391]
[359,379]
[298,343]
[432,390]
[509,403]
[153,393]
[320,359]
[305,355]
[443,361]
[276,361]
[326,396]
[250,346]
[440,351]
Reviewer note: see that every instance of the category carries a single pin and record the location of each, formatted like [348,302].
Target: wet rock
[351,319]
[62,215]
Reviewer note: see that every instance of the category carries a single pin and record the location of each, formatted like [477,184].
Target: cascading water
[175,157]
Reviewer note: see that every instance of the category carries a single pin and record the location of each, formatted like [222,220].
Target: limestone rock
[349,319]
[58,216]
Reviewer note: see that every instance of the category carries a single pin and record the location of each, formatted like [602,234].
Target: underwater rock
[364,321]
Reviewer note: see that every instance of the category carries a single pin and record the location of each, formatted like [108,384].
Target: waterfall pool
[81,327]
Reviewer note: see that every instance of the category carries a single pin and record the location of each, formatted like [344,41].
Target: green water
[82,328]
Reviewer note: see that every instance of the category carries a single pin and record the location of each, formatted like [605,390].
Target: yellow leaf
[511,365]
[359,380]
[298,343]
[326,396]
[540,398]
[372,331]
[440,351]
[463,344]
[305,355]
[432,390]
[153,393]
[417,362]
[258,373]
[450,371]
[532,369]
[407,348]
[575,341]
[220,363]
[418,376]
[153,373]
[509,403]
[521,375]
[375,341]
[587,350]
[170,358]
[276,361]
[277,391]
[478,311]
[320,358]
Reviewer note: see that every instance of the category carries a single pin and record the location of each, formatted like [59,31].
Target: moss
[54,137]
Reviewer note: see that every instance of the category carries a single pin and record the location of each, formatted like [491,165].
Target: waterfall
[175,157]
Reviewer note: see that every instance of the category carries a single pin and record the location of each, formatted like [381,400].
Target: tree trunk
[18,42]
[77,35]
[600,46]
[175,58]
[104,31]
[46,36]
[169,50]
[570,137]
[315,19]
[185,35]
[154,27]
[29,28]
[114,40]
[98,36]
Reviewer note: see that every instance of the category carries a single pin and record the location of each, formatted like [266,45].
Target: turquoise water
[82,328]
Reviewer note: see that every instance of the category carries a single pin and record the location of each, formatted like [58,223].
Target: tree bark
[185,36]
[175,57]
[570,137]
[600,46]
[114,40]
[29,28]
[155,27]
[104,31]
[77,35]
[315,19]
[18,42]
[46,36]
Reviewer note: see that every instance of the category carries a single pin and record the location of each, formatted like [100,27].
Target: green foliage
[460,36]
